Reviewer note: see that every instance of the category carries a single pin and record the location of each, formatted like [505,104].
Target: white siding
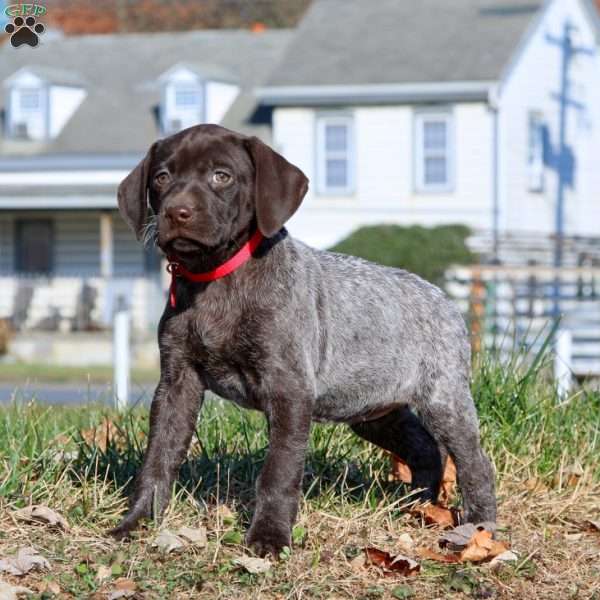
[76,244]
[384,172]
[531,86]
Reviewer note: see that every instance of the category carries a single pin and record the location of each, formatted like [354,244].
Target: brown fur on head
[209,187]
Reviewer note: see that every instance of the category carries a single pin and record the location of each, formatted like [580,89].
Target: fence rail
[512,307]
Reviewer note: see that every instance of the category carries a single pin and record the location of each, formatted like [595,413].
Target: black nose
[178,215]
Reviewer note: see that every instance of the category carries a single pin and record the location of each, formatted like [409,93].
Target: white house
[76,115]
[436,111]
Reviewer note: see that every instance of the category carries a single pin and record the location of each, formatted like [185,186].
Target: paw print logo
[24,31]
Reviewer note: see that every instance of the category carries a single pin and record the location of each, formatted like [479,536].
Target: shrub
[425,251]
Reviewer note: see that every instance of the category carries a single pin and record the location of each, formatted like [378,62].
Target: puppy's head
[209,187]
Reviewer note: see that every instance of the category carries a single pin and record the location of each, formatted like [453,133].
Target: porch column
[106,245]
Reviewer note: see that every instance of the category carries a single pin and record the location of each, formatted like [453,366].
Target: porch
[66,271]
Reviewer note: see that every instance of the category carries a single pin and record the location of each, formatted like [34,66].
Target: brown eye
[221,177]
[162,179]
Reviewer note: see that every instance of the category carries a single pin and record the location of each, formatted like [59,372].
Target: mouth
[183,245]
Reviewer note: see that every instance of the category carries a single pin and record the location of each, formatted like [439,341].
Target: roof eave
[402,93]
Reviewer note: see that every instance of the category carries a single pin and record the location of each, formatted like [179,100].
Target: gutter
[393,93]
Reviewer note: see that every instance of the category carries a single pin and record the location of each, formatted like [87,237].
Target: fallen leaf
[196,536]
[42,514]
[123,588]
[103,573]
[459,537]
[448,486]
[392,565]
[436,515]
[12,592]
[505,557]
[478,548]
[429,554]
[252,564]
[400,470]
[592,525]
[27,558]
[482,547]
[103,435]
[535,485]
[167,541]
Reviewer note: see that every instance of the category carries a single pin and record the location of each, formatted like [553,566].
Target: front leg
[279,484]
[173,415]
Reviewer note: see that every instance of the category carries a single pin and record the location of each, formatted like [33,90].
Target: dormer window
[193,94]
[40,101]
[27,110]
[183,106]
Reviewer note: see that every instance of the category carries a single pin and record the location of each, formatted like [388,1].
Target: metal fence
[512,308]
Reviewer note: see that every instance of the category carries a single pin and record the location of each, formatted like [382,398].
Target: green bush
[425,251]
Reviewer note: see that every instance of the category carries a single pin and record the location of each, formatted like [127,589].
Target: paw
[123,530]
[265,539]
[24,31]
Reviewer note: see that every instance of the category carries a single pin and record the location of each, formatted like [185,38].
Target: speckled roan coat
[297,333]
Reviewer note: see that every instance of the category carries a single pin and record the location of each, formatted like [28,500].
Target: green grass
[53,456]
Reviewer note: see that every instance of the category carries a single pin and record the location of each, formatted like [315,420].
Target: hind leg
[401,433]
[449,413]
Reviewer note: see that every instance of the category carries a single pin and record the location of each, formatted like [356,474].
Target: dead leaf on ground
[195,535]
[392,565]
[448,486]
[103,435]
[430,554]
[590,525]
[436,515]
[168,541]
[400,470]
[26,559]
[12,592]
[479,547]
[459,537]
[253,564]
[42,514]
[123,588]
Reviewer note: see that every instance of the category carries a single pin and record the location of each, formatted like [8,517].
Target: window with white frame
[335,155]
[434,151]
[28,113]
[535,151]
[184,106]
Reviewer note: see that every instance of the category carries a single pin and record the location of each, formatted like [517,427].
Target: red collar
[229,266]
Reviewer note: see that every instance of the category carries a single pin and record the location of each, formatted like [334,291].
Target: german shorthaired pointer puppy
[300,334]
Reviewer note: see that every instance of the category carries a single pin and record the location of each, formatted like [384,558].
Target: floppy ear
[133,193]
[279,187]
